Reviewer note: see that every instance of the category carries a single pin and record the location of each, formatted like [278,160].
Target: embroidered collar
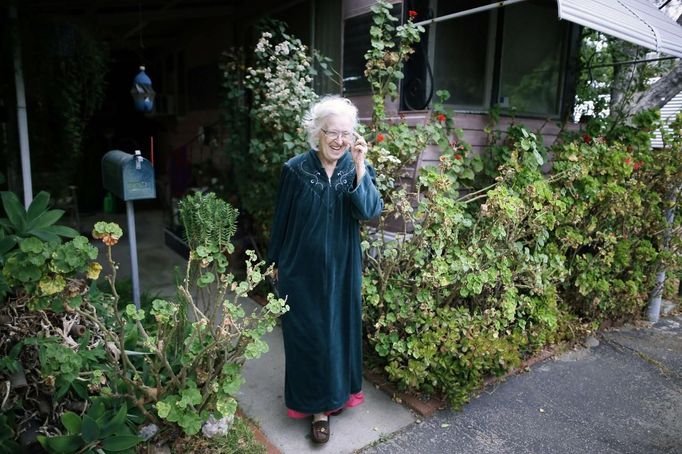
[343,172]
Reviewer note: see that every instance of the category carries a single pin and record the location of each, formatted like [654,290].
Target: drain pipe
[654,311]
[22,119]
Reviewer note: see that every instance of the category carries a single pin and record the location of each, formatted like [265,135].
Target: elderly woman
[315,246]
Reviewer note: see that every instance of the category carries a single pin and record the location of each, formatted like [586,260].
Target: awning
[636,21]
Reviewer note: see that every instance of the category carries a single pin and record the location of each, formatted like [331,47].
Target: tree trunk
[662,91]
[624,76]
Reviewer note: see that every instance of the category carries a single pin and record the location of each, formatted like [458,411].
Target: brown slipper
[320,431]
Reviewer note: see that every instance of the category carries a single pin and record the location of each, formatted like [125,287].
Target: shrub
[36,222]
[176,365]
[473,288]
[279,88]
[478,277]
[612,232]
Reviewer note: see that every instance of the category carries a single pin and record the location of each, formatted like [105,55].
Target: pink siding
[472,124]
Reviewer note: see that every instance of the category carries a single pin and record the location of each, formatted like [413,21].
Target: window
[462,53]
[513,56]
[531,60]
[356,42]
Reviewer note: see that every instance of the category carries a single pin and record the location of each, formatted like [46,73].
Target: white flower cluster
[382,155]
[282,48]
[148,431]
[281,82]
[217,427]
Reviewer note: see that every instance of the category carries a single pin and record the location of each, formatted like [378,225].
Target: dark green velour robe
[315,244]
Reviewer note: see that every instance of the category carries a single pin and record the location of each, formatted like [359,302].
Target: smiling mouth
[336,147]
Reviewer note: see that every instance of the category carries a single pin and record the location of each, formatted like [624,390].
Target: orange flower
[109,240]
[628,161]
[458,157]
[412,14]
[440,117]
[380,137]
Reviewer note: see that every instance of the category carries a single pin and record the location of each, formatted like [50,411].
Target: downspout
[22,119]
[654,311]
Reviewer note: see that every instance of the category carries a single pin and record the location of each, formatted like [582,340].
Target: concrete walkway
[261,397]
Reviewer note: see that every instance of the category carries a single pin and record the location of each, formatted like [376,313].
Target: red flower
[412,14]
[586,138]
[637,165]
[628,160]
[458,157]
[440,117]
[380,137]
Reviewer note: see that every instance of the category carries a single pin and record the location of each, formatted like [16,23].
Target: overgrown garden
[478,264]
[502,260]
[493,259]
[85,371]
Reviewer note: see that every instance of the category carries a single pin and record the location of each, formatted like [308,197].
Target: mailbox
[127,176]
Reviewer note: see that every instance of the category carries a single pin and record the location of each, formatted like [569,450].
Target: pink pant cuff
[353,401]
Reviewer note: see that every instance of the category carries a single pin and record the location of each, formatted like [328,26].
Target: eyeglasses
[333,135]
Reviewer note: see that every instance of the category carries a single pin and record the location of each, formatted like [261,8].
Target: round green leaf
[206,279]
[31,245]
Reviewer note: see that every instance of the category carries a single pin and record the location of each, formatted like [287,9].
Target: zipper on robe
[326,237]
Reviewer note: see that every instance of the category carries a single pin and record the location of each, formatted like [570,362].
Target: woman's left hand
[358,152]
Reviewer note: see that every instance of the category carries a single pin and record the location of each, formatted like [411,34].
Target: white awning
[636,21]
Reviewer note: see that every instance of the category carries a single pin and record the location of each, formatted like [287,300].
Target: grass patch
[240,439]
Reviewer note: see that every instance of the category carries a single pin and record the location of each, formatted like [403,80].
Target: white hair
[316,118]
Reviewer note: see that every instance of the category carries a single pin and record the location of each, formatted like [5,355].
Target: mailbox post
[129,177]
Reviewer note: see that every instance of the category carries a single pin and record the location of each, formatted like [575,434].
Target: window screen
[531,64]
[514,56]
[356,42]
[461,55]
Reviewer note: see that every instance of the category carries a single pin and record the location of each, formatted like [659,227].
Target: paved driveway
[622,396]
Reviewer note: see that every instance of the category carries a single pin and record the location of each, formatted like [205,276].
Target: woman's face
[335,138]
